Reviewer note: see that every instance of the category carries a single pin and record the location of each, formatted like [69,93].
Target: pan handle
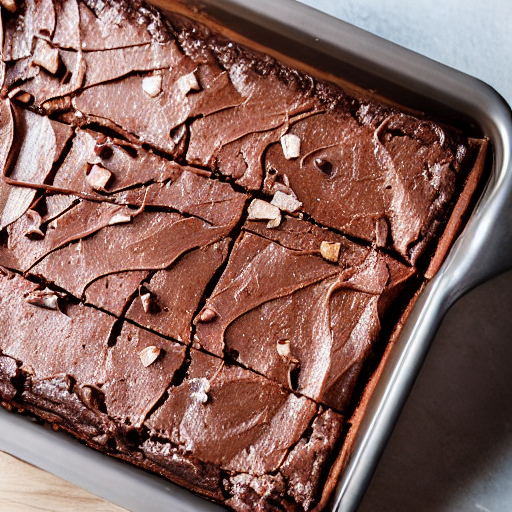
[484,249]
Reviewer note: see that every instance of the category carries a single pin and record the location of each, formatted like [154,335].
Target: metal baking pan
[483,250]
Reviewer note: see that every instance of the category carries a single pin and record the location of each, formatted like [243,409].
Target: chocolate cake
[205,252]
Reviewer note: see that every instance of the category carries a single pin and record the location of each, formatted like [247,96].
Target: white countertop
[452,448]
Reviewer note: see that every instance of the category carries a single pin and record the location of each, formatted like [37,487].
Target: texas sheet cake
[205,252]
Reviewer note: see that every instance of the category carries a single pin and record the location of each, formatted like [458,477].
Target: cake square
[284,310]
[249,432]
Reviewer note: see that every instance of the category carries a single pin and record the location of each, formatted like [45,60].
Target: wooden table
[25,488]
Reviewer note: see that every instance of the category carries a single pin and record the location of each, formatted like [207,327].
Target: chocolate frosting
[98,20]
[36,152]
[137,112]
[38,19]
[68,356]
[48,341]
[44,86]
[246,424]
[154,119]
[131,389]
[304,322]
[395,173]
[67,24]
[209,134]
[213,201]
[106,65]
[252,258]
[353,177]
[129,165]
[177,292]
[80,221]
[388,197]
[114,292]
[151,241]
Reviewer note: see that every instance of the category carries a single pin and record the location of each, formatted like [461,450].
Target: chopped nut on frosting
[207,315]
[274,223]
[187,83]
[330,251]
[152,85]
[98,178]
[381,231]
[149,355]
[20,96]
[291,146]
[47,299]
[34,225]
[120,218]
[24,97]
[286,202]
[146,301]
[283,348]
[261,210]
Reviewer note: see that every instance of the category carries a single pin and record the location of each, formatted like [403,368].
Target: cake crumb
[102,439]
